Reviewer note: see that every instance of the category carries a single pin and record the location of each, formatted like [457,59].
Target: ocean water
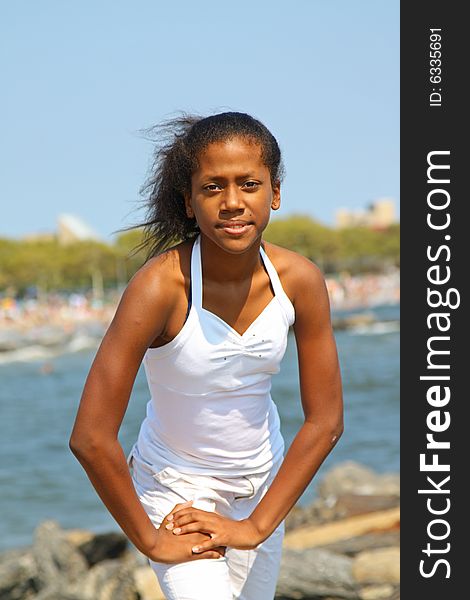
[40,478]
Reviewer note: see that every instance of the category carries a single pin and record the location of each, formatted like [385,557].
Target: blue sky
[80,79]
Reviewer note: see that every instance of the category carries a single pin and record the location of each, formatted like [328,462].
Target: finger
[204,546]
[208,554]
[189,515]
[193,528]
[181,505]
[204,519]
[177,507]
[190,511]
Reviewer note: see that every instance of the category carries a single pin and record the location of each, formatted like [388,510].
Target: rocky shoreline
[344,546]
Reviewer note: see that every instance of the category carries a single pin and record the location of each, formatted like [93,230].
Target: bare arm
[321,397]
[140,317]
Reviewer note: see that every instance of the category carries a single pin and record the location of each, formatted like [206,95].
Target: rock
[17,575]
[347,490]
[57,592]
[104,546]
[139,558]
[353,478]
[345,505]
[313,535]
[353,321]
[56,558]
[47,335]
[10,340]
[147,584]
[108,580]
[377,566]
[56,569]
[315,573]
[369,541]
[348,505]
[304,515]
[396,594]
[377,592]
[78,537]
[299,516]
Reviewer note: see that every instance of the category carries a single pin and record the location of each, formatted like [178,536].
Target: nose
[232,198]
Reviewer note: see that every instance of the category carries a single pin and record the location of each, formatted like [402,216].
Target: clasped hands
[222,530]
[219,532]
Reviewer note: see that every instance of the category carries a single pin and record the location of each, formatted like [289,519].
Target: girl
[209,317]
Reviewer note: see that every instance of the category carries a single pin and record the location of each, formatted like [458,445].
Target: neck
[222,267]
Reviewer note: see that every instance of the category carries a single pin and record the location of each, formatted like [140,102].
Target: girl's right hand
[170,548]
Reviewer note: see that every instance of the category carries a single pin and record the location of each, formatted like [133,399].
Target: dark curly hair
[178,143]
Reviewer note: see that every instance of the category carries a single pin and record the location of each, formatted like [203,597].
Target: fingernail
[196,549]
[170,518]
[169,525]
[177,530]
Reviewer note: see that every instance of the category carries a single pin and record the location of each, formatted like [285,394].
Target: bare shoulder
[168,266]
[299,275]
[151,295]
[162,276]
[305,285]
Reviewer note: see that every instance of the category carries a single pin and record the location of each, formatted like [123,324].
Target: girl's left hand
[223,531]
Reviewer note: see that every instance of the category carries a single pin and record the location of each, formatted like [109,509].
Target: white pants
[240,574]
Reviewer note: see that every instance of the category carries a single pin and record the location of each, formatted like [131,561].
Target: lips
[235,227]
[231,224]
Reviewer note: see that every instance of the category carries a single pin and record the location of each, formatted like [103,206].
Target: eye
[251,184]
[212,187]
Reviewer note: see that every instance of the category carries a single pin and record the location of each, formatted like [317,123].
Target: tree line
[50,266]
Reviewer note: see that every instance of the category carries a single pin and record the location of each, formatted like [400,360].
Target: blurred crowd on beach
[347,292]
[54,309]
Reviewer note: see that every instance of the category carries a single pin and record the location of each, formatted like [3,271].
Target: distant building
[378,215]
[71,228]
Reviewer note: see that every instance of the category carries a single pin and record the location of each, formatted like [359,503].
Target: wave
[37,352]
[378,328]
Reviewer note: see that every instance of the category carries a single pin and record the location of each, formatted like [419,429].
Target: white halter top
[211,409]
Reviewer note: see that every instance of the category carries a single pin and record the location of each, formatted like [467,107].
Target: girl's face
[231,194]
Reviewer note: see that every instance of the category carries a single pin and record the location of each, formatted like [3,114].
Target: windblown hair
[178,143]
